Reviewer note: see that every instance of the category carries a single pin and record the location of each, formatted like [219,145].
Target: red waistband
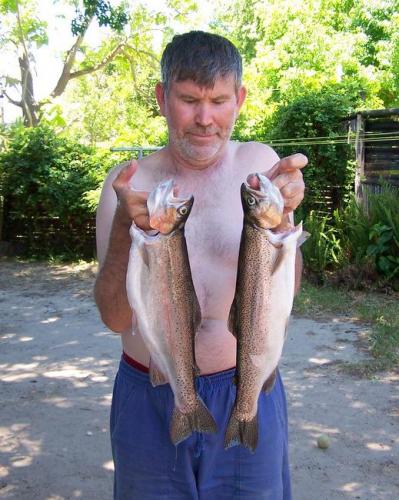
[132,362]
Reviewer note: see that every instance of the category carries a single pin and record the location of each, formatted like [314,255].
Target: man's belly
[215,347]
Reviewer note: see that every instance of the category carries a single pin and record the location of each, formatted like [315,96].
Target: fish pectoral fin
[232,321]
[269,384]
[156,376]
[184,424]
[243,432]
[279,259]
[144,255]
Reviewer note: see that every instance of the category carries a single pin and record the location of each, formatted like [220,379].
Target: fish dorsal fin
[269,384]
[156,376]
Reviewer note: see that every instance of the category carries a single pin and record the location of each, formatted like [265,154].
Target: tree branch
[104,62]
[66,70]
[141,51]
[16,103]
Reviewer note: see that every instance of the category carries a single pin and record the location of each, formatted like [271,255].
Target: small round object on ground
[323,441]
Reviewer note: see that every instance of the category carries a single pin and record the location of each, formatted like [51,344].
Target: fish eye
[183,210]
[251,201]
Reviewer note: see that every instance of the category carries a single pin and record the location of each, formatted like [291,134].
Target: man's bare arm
[110,287]
[119,205]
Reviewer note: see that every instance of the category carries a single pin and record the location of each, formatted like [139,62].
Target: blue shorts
[149,467]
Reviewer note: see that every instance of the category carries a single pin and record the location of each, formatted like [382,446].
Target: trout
[167,314]
[262,304]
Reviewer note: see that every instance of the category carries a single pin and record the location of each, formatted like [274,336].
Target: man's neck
[181,165]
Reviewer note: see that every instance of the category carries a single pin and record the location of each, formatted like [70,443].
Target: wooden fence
[377,149]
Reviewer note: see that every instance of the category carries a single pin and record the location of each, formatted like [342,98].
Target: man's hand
[287,176]
[132,205]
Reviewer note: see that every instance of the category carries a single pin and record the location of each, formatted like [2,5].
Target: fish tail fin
[184,424]
[243,432]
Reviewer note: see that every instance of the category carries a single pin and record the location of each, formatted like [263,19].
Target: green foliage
[106,15]
[323,250]
[44,179]
[359,242]
[319,114]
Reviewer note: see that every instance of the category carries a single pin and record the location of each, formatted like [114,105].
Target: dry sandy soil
[57,364]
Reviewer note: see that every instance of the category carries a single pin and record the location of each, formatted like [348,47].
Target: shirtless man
[200,96]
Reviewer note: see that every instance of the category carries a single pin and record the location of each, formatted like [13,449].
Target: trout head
[263,207]
[167,211]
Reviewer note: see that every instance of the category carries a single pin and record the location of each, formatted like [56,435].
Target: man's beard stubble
[190,150]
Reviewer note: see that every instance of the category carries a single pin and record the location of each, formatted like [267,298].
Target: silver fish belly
[167,313]
[261,307]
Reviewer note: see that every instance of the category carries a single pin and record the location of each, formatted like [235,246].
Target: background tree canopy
[308,64]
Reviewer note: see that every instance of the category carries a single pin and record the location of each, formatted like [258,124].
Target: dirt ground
[57,364]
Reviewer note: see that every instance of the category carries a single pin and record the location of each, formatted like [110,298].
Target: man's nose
[203,115]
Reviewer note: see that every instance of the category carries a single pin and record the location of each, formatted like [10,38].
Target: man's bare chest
[213,229]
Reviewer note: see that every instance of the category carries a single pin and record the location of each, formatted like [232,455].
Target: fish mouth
[267,192]
[267,211]
[163,204]
[165,194]
[265,186]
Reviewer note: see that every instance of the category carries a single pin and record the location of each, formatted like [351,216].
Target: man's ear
[160,95]
[241,95]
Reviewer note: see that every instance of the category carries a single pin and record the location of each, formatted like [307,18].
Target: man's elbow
[112,319]
[114,324]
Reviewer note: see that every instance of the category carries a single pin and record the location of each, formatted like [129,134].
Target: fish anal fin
[184,424]
[156,376]
[243,432]
[269,384]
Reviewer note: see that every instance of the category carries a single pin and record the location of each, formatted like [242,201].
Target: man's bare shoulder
[256,157]
[146,173]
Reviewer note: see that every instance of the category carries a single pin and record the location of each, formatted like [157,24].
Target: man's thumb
[127,172]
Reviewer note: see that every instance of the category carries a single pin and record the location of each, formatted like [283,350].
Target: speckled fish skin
[161,291]
[261,306]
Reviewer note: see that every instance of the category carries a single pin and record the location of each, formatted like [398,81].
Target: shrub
[330,173]
[44,178]
[359,243]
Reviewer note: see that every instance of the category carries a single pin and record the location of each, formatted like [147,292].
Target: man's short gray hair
[201,57]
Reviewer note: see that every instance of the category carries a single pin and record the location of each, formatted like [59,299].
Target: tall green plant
[323,250]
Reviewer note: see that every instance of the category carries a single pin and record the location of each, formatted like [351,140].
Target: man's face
[200,120]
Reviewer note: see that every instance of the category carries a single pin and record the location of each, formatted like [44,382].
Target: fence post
[359,148]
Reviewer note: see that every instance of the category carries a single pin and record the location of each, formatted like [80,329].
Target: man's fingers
[143,222]
[287,164]
[294,177]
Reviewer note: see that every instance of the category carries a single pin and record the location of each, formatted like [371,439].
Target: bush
[359,243]
[330,173]
[44,181]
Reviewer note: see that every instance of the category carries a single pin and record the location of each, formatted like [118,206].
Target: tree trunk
[29,106]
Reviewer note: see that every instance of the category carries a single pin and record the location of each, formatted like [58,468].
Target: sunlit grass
[379,310]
